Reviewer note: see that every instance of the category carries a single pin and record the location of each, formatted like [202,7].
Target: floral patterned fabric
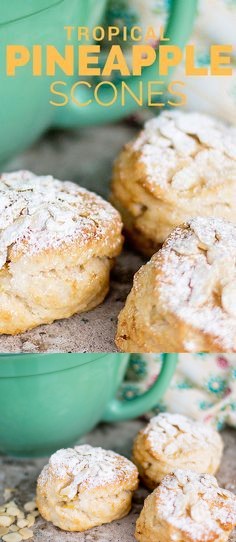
[215,23]
[204,385]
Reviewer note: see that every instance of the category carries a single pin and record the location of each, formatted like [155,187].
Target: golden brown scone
[172,441]
[184,298]
[187,507]
[180,166]
[57,245]
[83,487]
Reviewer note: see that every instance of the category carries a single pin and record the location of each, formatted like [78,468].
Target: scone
[187,507]
[184,298]
[57,245]
[172,441]
[83,487]
[180,166]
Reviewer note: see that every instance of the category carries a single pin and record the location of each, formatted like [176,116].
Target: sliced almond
[20,515]
[26,533]
[12,511]
[199,512]
[35,513]
[6,521]
[30,520]
[12,537]
[2,509]
[13,528]
[3,530]
[30,506]
[22,523]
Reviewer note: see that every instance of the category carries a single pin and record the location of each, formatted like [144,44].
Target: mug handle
[179,27]
[124,410]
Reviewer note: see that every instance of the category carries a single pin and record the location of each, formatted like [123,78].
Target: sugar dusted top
[195,505]
[37,213]
[170,434]
[198,284]
[85,467]
[187,151]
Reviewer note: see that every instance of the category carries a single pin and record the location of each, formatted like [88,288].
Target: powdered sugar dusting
[86,467]
[195,506]
[198,264]
[37,213]
[170,433]
[187,151]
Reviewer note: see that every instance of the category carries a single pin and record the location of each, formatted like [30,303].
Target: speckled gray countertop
[85,157]
[22,475]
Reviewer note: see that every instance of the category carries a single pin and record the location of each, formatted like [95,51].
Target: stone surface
[85,157]
[22,475]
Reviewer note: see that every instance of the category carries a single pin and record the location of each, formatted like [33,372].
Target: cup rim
[10,13]
[19,365]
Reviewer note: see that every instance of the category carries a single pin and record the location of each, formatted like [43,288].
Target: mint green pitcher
[25,111]
[48,401]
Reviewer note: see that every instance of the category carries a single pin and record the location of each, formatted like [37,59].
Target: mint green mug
[48,401]
[25,110]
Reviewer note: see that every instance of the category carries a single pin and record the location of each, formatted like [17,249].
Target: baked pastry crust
[84,487]
[184,298]
[180,166]
[172,441]
[57,245]
[187,507]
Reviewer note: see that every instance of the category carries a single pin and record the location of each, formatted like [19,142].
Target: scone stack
[178,457]
[175,187]
[85,487]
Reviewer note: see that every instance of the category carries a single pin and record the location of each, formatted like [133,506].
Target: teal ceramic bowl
[48,401]
[25,108]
